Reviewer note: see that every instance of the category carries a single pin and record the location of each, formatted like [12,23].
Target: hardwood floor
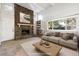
[12,48]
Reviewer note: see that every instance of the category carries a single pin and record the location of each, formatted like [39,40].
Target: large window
[62,24]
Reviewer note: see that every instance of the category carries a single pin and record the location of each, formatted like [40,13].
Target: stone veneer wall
[19,9]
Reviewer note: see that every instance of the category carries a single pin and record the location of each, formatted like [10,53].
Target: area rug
[31,51]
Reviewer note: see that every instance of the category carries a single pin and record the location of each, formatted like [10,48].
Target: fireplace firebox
[25,32]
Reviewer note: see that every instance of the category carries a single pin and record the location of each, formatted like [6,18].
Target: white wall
[7,21]
[0,25]
[59,10]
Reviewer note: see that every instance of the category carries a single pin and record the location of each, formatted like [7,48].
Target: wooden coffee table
[52,50]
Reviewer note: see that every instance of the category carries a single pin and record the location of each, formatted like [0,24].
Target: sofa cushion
[54,39]
[44,37]
[51,38]
[68,43]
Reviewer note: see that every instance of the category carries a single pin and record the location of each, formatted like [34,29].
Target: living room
[33,29]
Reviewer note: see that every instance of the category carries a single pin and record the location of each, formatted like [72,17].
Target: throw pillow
[49,34]
[57,34]
[66,36]
[70,35]
[75,38]
[61,34]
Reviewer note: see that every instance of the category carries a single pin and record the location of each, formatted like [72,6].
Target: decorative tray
[47,46]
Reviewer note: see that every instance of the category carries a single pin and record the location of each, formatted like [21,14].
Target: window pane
[50,25]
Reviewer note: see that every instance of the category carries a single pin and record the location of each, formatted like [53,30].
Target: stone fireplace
[23,22]
[23,31]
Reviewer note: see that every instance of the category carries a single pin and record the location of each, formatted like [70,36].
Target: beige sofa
[71,43]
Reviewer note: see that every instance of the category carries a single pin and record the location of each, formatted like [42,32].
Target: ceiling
[37,7]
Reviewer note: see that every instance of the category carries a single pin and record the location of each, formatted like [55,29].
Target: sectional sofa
[64,39]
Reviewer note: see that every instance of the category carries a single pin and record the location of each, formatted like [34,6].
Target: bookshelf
[38,27]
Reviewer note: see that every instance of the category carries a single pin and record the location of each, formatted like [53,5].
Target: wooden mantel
[19,24]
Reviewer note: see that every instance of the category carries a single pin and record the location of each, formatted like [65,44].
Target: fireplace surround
[23,29]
